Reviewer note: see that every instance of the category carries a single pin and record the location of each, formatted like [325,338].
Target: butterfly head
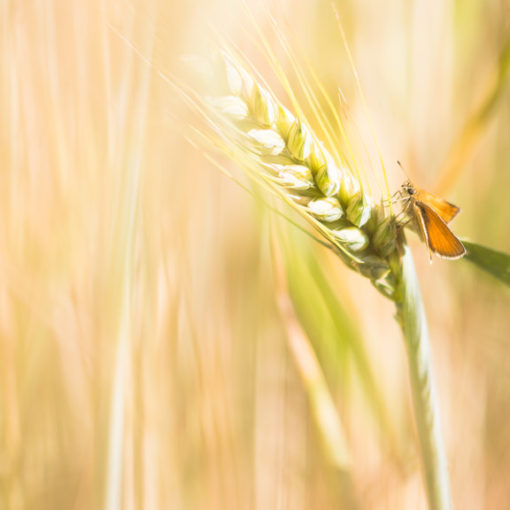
[408,188]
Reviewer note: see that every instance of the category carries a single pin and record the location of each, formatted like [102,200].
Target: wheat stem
[411,315]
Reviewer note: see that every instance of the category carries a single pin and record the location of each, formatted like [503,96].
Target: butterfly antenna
[403,171]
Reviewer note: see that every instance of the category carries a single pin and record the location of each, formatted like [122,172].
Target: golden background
[143,360]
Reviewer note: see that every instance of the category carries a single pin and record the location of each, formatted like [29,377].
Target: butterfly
[432,215]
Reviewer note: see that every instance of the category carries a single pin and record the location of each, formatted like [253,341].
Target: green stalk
[411,316]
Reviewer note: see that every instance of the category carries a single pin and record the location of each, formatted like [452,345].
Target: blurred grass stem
[129,225]
[323,408]
[475,126]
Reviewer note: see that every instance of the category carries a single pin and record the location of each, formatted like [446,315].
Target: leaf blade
[491,261]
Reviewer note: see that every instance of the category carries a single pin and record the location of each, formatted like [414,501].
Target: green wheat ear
[278,150]
[281,150]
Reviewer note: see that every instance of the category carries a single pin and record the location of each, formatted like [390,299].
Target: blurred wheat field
[143,359]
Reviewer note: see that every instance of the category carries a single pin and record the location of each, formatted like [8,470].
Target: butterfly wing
[439,238]
[446,210]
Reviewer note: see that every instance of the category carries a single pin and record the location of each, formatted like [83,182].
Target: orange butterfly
[432,214]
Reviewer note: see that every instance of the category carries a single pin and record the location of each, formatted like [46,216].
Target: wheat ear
[283,152]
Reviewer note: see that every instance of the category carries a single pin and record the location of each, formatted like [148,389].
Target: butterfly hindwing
[439,238]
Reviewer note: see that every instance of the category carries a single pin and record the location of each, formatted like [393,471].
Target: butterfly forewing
[444,209]
[439,238]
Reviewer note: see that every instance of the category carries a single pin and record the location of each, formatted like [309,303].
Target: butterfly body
[432,215]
